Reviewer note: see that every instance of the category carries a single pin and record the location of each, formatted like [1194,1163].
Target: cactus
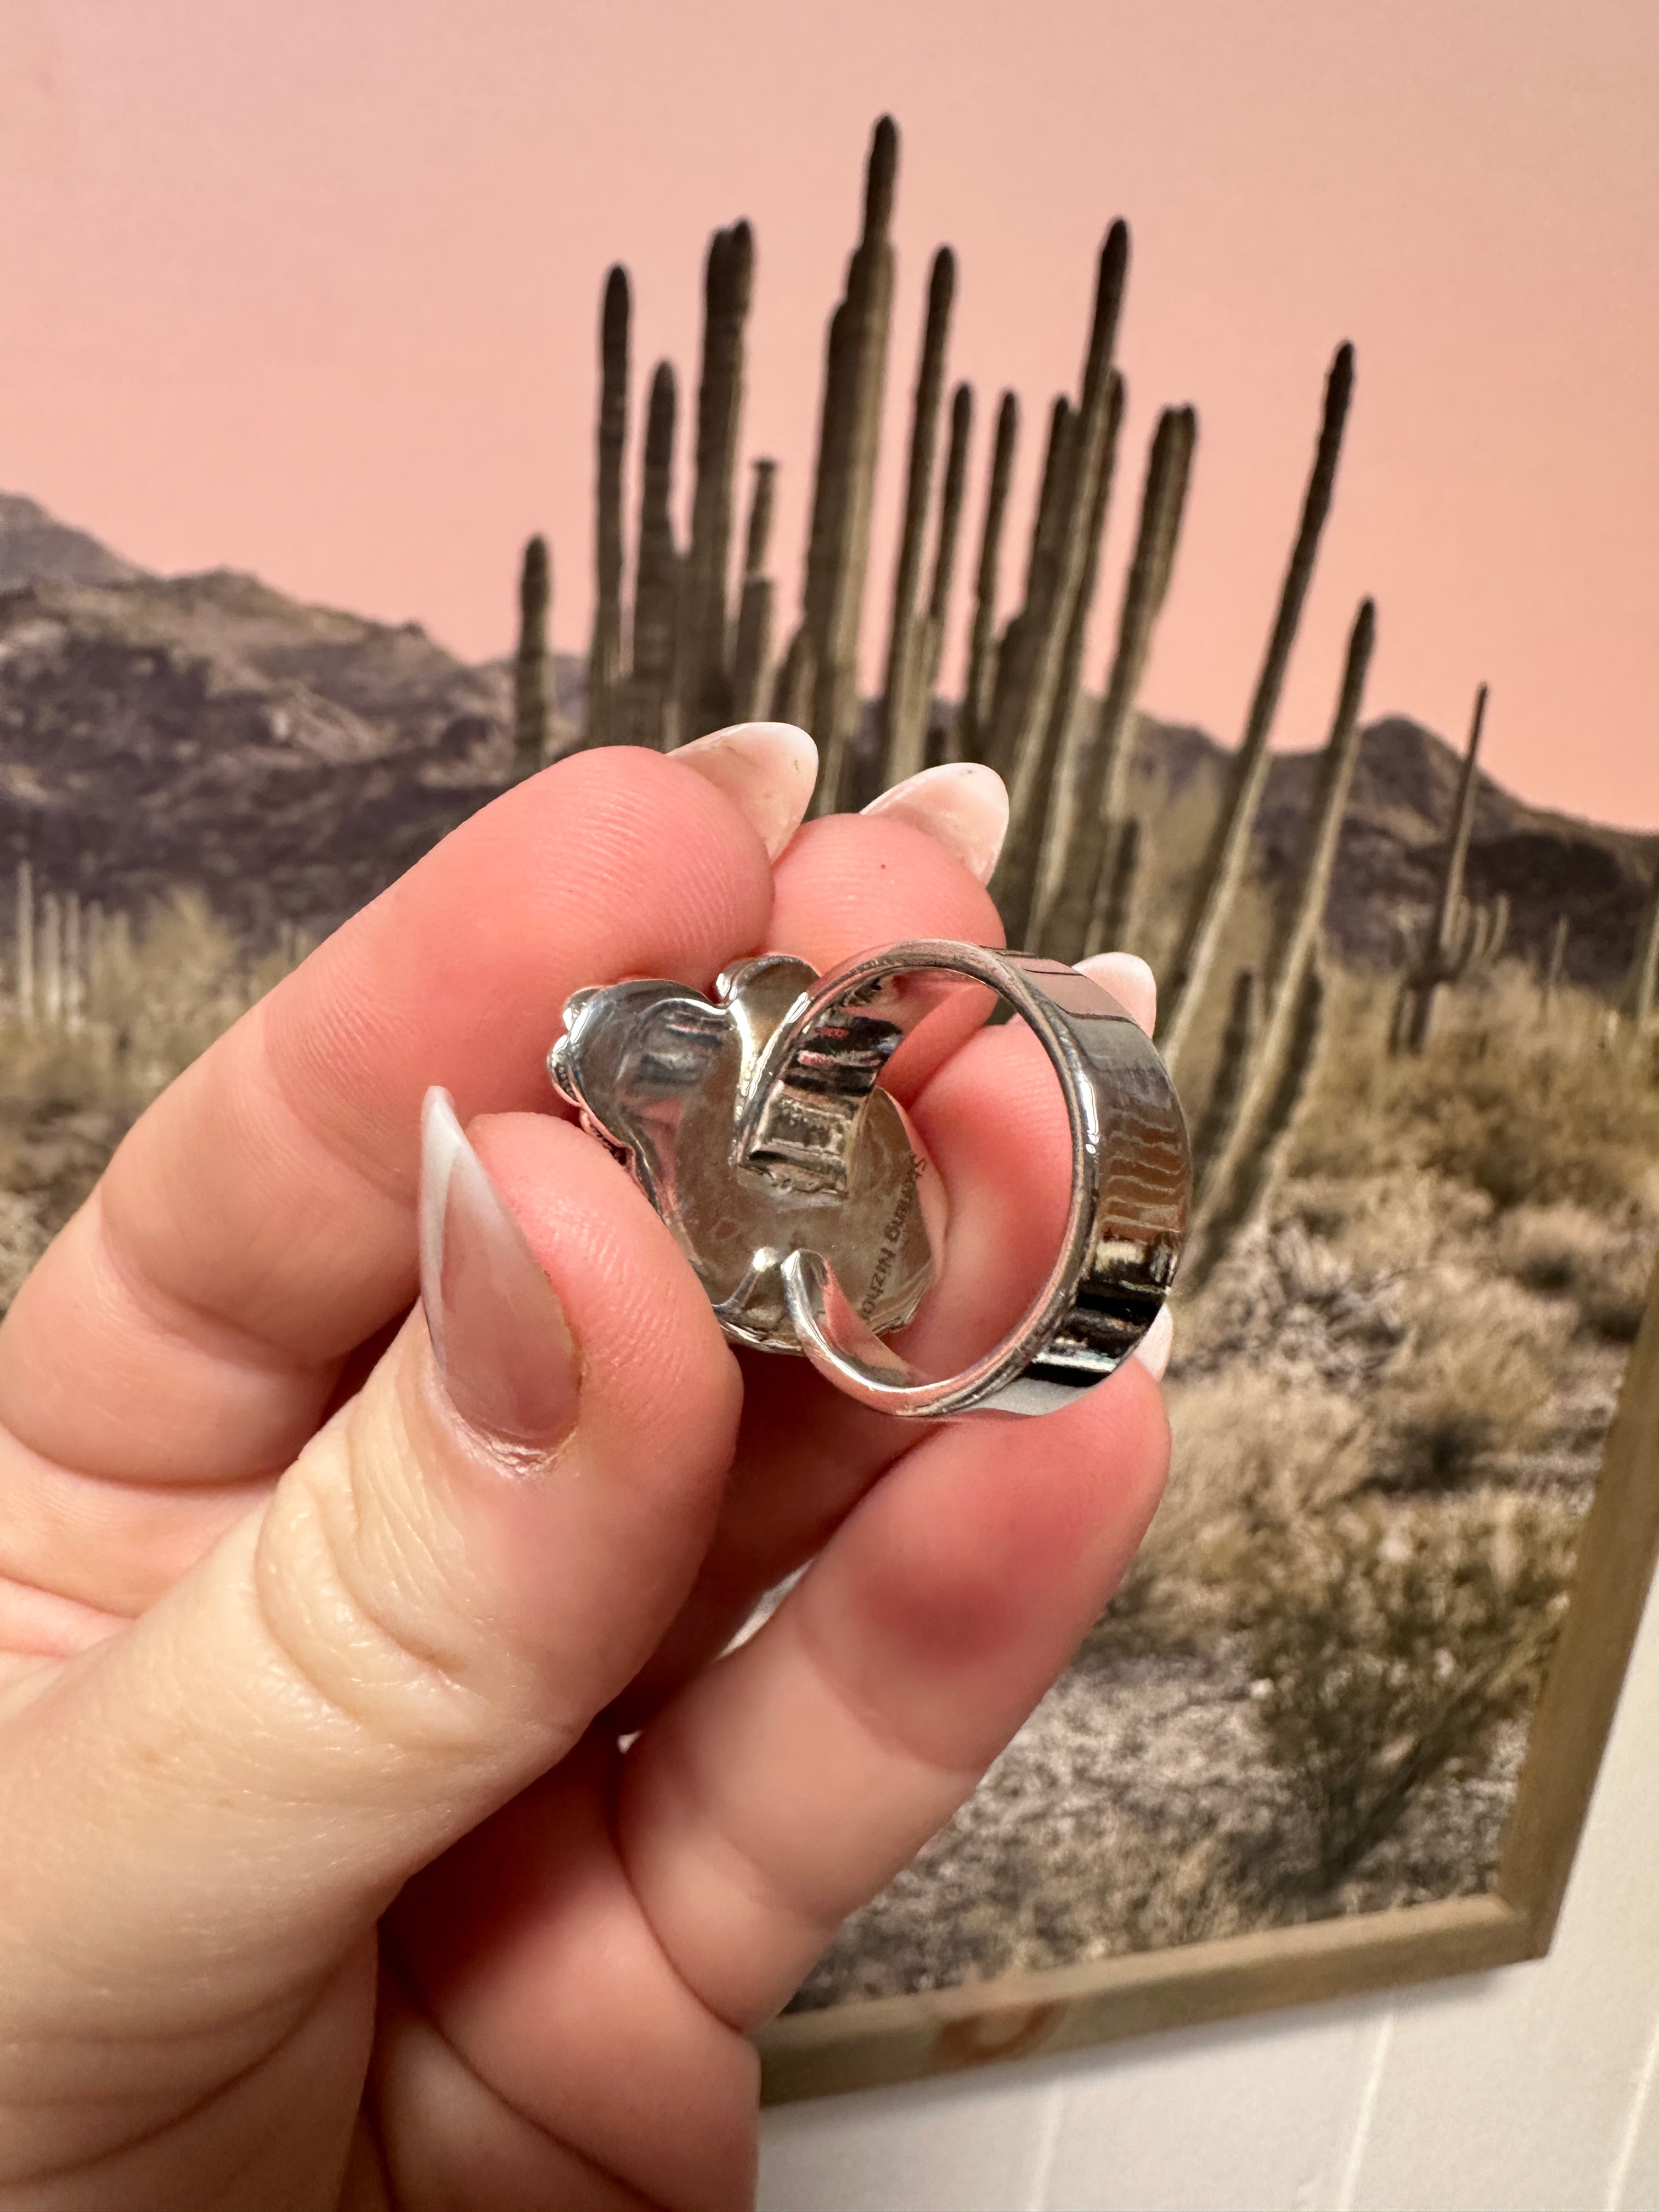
[1227,1091]
[1086,802]
[530,666]
[838,545]
[75,994]
[930,649]
[1017,647]
[705,676]
[605,659]
[26,997]
[648,715]
[752,654]
[797,682]
[1461,938]
[1224,864]
[971,734]
[1239,1195]
[904,730]
[1027,740]
[1299,918]
[97,943]
[1636,1002]
[1555,964]
[1112,919]
[51,960]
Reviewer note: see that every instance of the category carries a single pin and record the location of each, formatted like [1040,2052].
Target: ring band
[1130,1187]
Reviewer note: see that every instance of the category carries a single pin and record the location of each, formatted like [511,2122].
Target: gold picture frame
[878,2041]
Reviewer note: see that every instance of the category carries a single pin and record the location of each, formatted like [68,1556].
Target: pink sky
[311,289]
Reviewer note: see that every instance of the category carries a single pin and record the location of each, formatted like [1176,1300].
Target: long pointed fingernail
[767,770]
[1130,982]
[963,805]
[1153,1349]
[499,1334]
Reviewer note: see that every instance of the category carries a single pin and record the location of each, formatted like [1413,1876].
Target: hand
[323,1880]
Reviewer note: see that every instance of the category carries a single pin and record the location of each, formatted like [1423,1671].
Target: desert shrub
[158,996]
[1389,1643]
[1471,1382]
[1244,1444]
[1565,1251]
[1613,1302]
[1527,1111]
[1554,1249]
[1293,1301]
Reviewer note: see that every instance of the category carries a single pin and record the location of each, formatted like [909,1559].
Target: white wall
[1533,2087]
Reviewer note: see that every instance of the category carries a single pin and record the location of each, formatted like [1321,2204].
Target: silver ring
[810,1193]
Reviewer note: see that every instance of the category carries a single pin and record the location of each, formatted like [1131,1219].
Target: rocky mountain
[291,760]
[36,547]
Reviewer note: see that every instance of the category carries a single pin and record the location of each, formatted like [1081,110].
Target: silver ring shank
[1131,1171]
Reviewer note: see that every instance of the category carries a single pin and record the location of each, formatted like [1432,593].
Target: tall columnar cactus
[931,649]
[75,991]
[795,685]
[705,685]
[1636,1002]
[972,736]
[1027,740]
[605,659]
[1555,964]
[1299,918]
[1461,938]
[838,545]
[1238,1197]
[530,722]
[25,945]
[51,960]
[649,716]
[903,734]
[1017,646]
[751,659]
[1232,1073]
[1088,799]
[1224,864]
[1112,920]
[1066,731]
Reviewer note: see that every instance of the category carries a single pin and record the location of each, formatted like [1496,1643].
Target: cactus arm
[1086,804]
[1225,865]
[903,733]
[972,733]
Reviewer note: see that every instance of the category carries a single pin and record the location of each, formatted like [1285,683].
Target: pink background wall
[311,289]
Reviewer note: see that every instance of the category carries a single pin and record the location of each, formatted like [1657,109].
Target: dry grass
[157,997]
[1390,1643]
[1526,1111]
[1471,1383]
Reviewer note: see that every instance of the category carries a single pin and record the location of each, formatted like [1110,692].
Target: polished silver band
[1131,1171]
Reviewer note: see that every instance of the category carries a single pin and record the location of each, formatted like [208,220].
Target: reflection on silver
[757,1127]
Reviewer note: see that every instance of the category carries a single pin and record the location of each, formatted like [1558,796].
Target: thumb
[471,1558]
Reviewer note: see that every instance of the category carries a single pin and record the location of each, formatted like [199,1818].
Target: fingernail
[1153,1349]
[963,805]
[767,770]
[498,1331]
[1130,982]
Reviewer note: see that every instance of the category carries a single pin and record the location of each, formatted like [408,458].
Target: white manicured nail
[960,804]
[1130,982]
[1153,1349]
[767,770]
